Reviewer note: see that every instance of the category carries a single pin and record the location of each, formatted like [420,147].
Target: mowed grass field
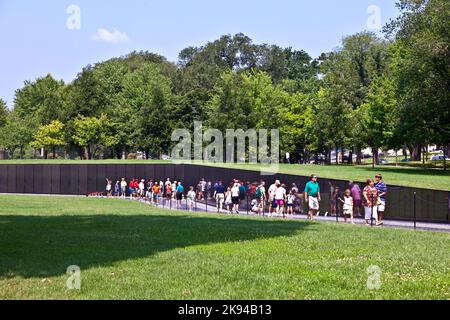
[129,250]
[437,179]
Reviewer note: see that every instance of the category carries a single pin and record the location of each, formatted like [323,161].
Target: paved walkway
[201,207]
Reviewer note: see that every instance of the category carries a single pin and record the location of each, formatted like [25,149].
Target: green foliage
[3,113]
[370,92]
[49,136]
[16,133]
[89,132]
[40,100]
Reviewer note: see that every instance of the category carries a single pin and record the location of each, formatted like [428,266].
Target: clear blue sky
[36,41]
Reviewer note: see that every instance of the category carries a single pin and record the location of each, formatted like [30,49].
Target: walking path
[201,207]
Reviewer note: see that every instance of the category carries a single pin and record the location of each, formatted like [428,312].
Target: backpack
[258,192]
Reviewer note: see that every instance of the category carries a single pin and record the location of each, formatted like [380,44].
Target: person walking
[370,200]
[242,192]
[117,189]
[142,188]
[271,191]
[191,198]
[228,201]
[219,195]
[280,198]
[235,198]
[382,192]
[123,188]
[108,188]
[180,190]
[347,206]
[312,197]
[290,202]
[260,194]
[357,201]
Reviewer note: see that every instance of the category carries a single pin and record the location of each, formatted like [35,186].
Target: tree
[40,100]
[348,73]
[296,125]
[49,137]
[148,96]
[16,133]
[245,101]
[378,115]
[92,132]
[3,113]
[421,70]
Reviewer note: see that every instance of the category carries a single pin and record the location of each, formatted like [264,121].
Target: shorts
[290,205]
[179,196]
[368,213]
[381,205]
[235,200]
[348,212]
[220,197]
[313,203]
[190,202]
[280,202]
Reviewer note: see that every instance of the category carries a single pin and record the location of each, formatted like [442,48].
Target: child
[255,206]
[228,201]
[290,202]
[191,198]
[142,188]
[117,189]
[108,187]
[348,205]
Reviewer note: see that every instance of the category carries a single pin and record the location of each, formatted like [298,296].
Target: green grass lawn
[436,179]
[128,250]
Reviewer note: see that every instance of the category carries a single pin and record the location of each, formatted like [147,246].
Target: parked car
[382,162]
[406,160]
[439,157]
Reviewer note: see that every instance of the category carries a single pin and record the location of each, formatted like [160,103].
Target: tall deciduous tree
[49,137]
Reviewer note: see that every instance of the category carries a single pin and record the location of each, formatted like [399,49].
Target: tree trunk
[337,155]
[445,155]
[358,156]
[350,157]
[87,153]
[415,152]
[375,156]
[54,153]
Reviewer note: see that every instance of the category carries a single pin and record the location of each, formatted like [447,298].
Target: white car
[439,157]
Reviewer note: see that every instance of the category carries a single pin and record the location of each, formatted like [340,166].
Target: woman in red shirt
[370,199]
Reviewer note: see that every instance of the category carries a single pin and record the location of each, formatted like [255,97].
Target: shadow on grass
[35,246]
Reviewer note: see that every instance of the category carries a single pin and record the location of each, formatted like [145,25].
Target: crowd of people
[276,200]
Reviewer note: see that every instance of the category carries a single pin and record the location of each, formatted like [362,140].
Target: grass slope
[127,250]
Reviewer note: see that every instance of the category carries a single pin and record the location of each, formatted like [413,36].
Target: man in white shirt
[235,198]
[272,189]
